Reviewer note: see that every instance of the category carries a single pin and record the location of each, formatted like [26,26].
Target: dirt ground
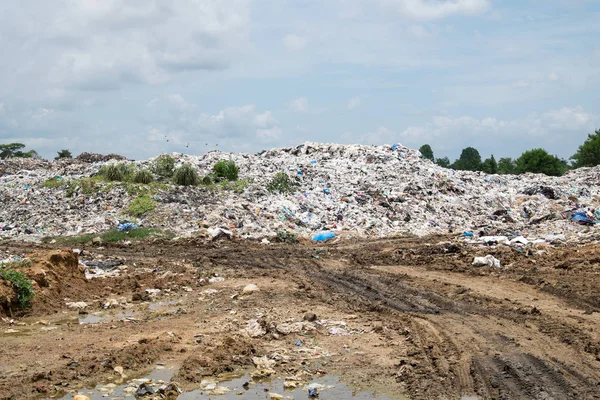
[406,317]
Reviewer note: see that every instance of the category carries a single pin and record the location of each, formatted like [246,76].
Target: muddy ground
[405,317]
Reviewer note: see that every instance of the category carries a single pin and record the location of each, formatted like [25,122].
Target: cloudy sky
[125,76]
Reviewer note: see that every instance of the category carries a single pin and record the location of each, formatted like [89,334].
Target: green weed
[140,206]
[21,284]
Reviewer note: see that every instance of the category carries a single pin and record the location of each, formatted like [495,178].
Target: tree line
[15,150]
[535,160]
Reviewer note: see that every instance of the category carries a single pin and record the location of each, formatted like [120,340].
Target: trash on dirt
[491,240]
[254,329]
[119,370]
[323,237]
[487,261]
[78,305]
[80,397]
[216,279]
[127,226]
[263,362]
[144,390]
[217,233]
[250,288]
[519,240]
[337,330]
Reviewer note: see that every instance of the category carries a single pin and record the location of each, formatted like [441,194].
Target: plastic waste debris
[582,218]
[144,390]
[127,226]
[487,261]
[323,237]
[468,234]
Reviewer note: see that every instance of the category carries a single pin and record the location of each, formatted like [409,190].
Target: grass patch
[53,183]
[186,175]
[22,285]
[164,166]
[16,264]
[98,183]
[281,183]
[287,237]
[85,186]
[143,176]
[140,206]
[110,236]
[236,186]
[226,169]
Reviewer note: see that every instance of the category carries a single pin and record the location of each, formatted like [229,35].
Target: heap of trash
[339,191]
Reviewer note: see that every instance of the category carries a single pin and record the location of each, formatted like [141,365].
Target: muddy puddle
[327,388]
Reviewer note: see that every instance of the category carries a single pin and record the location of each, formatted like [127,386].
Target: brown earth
[423,322]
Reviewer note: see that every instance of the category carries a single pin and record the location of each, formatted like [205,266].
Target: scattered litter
[127,226]
[250,288]
[487,261]
[323,237]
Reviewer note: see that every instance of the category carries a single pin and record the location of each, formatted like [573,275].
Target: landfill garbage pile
[340,190]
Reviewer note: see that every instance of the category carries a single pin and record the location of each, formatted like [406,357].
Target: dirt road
[404,317]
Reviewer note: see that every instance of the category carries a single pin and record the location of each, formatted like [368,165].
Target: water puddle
[158,377]
[90,319]
[327,388]
[155,306]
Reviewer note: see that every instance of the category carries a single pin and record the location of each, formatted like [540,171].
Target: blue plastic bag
[323,237]
[468,234]
[582,218]
[327,191]
[127,226]
[395,146]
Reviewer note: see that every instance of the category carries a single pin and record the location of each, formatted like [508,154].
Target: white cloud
[353,103]
[103,45]
[178,101]
[300,104]
[436,9]
[294,42]
[553,76]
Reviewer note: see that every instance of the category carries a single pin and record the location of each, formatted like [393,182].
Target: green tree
[443,162]
[490,166]
[541,162]
[588,154]
[506,166]
[427,152]
[9,150]
[65,153]
[470,160]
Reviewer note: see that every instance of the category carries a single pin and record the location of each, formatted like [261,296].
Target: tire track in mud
[438,363]
[465,368]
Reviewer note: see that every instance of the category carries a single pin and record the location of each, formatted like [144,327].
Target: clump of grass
[164,166]
[186,175]
[109,236]
[140,206]
[116,172]
[287,237]
[143,176]
[16,264]
[236,186]
[54,182]
[226,169]
[84,186]
[281,183]
[23,286]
